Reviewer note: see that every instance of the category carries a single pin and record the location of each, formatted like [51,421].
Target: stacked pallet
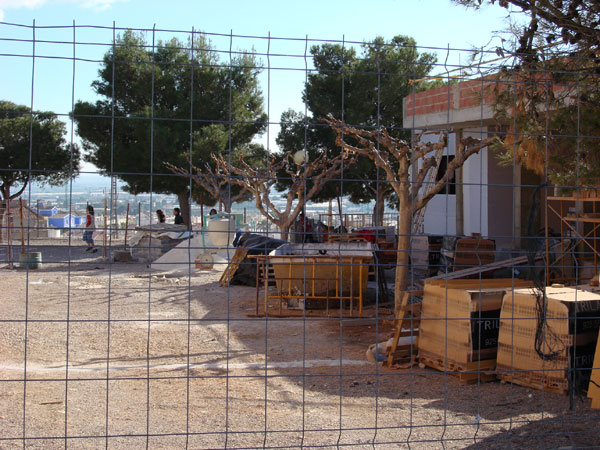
[566,338]
[459,326]
[473,252]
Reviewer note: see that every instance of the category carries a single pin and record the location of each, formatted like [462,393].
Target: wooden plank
[484,269]
[232,267]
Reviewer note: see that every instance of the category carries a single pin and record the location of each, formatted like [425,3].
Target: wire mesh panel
[225,241]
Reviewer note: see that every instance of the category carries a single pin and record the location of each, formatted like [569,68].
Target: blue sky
[435,24]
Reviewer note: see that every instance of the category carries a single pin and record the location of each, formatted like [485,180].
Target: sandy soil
[106,355]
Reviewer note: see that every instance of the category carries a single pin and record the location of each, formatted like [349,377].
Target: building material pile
[150,242]
[242,268]
[459,326]
[543,349]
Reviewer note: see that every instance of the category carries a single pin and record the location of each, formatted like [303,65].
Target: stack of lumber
[473,252]
[459,326]
[568,338]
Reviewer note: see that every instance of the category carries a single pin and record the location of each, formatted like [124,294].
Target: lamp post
[300,159]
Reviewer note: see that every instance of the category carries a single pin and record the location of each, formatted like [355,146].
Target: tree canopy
[365,89]
[33,148]
[572,22]
[550,104]
[172,102]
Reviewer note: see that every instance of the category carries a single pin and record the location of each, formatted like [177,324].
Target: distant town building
[48,212]
[65,221]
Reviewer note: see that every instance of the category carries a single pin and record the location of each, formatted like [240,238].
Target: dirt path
[120,358]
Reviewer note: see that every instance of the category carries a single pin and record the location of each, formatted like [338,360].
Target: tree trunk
[184,205]
[339,202]
[284,230]
[2,209]
[226,201]
[402,260]
[379,208]
[3,205]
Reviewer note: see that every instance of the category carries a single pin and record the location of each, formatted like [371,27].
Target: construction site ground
[112,356]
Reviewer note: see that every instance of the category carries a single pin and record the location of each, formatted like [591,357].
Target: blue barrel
[32,260]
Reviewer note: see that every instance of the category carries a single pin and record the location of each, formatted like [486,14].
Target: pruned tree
[367,86]
[215,183]
[395,157]
[305,181]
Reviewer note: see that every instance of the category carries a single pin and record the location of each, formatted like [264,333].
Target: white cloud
[97,5]
[94,5]
[14,4]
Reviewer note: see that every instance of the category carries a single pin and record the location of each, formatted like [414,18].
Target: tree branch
[458,161]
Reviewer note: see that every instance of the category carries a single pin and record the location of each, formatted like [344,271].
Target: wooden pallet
[232,267]
[473,252]
[535,381]
[470,373]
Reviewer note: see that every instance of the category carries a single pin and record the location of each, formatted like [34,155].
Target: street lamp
[300,159]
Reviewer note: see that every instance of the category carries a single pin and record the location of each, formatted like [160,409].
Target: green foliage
[53,160]
[171,103]
[550,105]
[365,90]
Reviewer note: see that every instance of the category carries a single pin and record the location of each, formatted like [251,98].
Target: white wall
[440,215]
[475,188]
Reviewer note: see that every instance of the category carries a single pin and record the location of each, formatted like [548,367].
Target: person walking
[90,227]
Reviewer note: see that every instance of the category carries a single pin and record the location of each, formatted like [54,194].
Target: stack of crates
[459,326]
[567,342]
[473,252]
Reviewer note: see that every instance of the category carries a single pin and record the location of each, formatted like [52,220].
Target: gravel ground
[119,358]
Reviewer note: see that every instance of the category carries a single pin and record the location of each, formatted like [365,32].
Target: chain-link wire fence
[225,241]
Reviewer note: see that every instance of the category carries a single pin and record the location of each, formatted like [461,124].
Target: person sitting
[213,212]
[161,216]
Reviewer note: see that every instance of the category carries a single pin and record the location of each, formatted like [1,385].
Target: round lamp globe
[300,157]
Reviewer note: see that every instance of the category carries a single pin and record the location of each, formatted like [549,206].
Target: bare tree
[307,180]
[215,183]
[383,150]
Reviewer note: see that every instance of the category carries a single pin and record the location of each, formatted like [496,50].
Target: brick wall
[466,94]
